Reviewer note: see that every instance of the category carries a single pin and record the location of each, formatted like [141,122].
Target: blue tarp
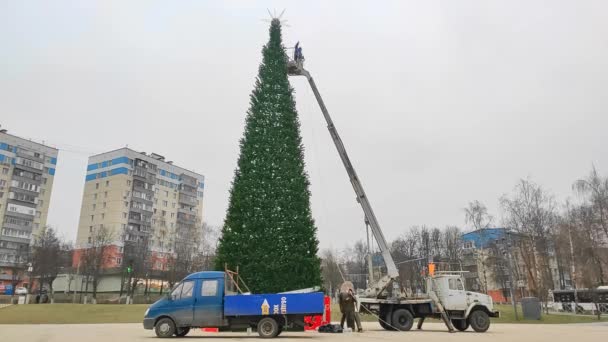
[274,304]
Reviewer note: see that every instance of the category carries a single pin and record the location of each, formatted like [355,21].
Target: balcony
[29,155]
[187,199]
[187,180]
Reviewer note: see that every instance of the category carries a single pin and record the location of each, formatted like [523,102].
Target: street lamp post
[30,270]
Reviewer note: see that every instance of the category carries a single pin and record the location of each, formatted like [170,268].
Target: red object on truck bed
[314,322]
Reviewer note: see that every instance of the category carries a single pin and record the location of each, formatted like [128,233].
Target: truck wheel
[402,319]
[385,321]
[460,324]
[182,332]
[165,328]
[479,320]
[268,327]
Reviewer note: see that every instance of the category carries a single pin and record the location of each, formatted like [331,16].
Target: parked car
[21,291]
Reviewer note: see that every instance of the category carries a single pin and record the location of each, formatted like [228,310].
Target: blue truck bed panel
[274,304]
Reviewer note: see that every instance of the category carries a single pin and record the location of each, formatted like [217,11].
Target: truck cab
[461,304]
[197,301]
[205,299]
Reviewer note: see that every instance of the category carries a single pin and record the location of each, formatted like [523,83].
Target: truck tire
[164,328]
[479,321]
[460,324]
[385,321]
[402,319]
[268,327]
[181,332]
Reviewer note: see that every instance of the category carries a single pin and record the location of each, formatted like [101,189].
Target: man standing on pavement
[355,313]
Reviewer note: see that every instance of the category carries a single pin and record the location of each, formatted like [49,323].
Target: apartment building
[139,199]
[27,170]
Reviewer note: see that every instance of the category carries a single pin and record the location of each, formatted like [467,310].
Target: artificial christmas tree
[269,232]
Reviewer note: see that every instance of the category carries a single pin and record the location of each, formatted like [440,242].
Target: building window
[469,244]
[96,185]
[172,215]
[173,204]
[1,194]
[94,196]
[124,215]
[5,171]
[126,204]
[105,194]
[92,217]
[164,203]
[164,213]
[107,183]
[104,204]
[42,191]
[118,261]
[41,202]
[103,216]
[38,214]
[89,239]
[94,206]
[128,183]
[90,229]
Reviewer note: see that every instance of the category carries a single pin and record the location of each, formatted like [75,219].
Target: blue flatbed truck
[204,299]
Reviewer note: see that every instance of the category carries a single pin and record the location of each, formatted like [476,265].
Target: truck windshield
[183,290]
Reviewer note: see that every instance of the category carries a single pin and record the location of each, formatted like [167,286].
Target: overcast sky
[438,103]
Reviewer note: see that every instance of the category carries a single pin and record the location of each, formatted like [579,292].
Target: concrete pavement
[432,332]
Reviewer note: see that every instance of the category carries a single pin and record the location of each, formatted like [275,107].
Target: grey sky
[438,103]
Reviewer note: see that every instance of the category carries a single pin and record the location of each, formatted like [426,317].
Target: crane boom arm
[354,179]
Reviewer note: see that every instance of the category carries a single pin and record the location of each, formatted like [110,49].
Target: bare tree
[208,246]
[530,211]
[330,271]
[477,215]
[137,258]
[49,254]
[595,188]
[355,261]
[452,245]
[186,256]
[96,256]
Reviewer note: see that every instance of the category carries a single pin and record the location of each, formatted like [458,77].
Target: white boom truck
[445,295]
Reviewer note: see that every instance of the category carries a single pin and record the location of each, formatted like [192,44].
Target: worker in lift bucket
[297,53]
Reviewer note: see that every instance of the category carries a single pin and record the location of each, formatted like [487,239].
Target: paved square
[432,332]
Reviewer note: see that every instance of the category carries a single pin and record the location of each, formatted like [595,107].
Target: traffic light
[129,269]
